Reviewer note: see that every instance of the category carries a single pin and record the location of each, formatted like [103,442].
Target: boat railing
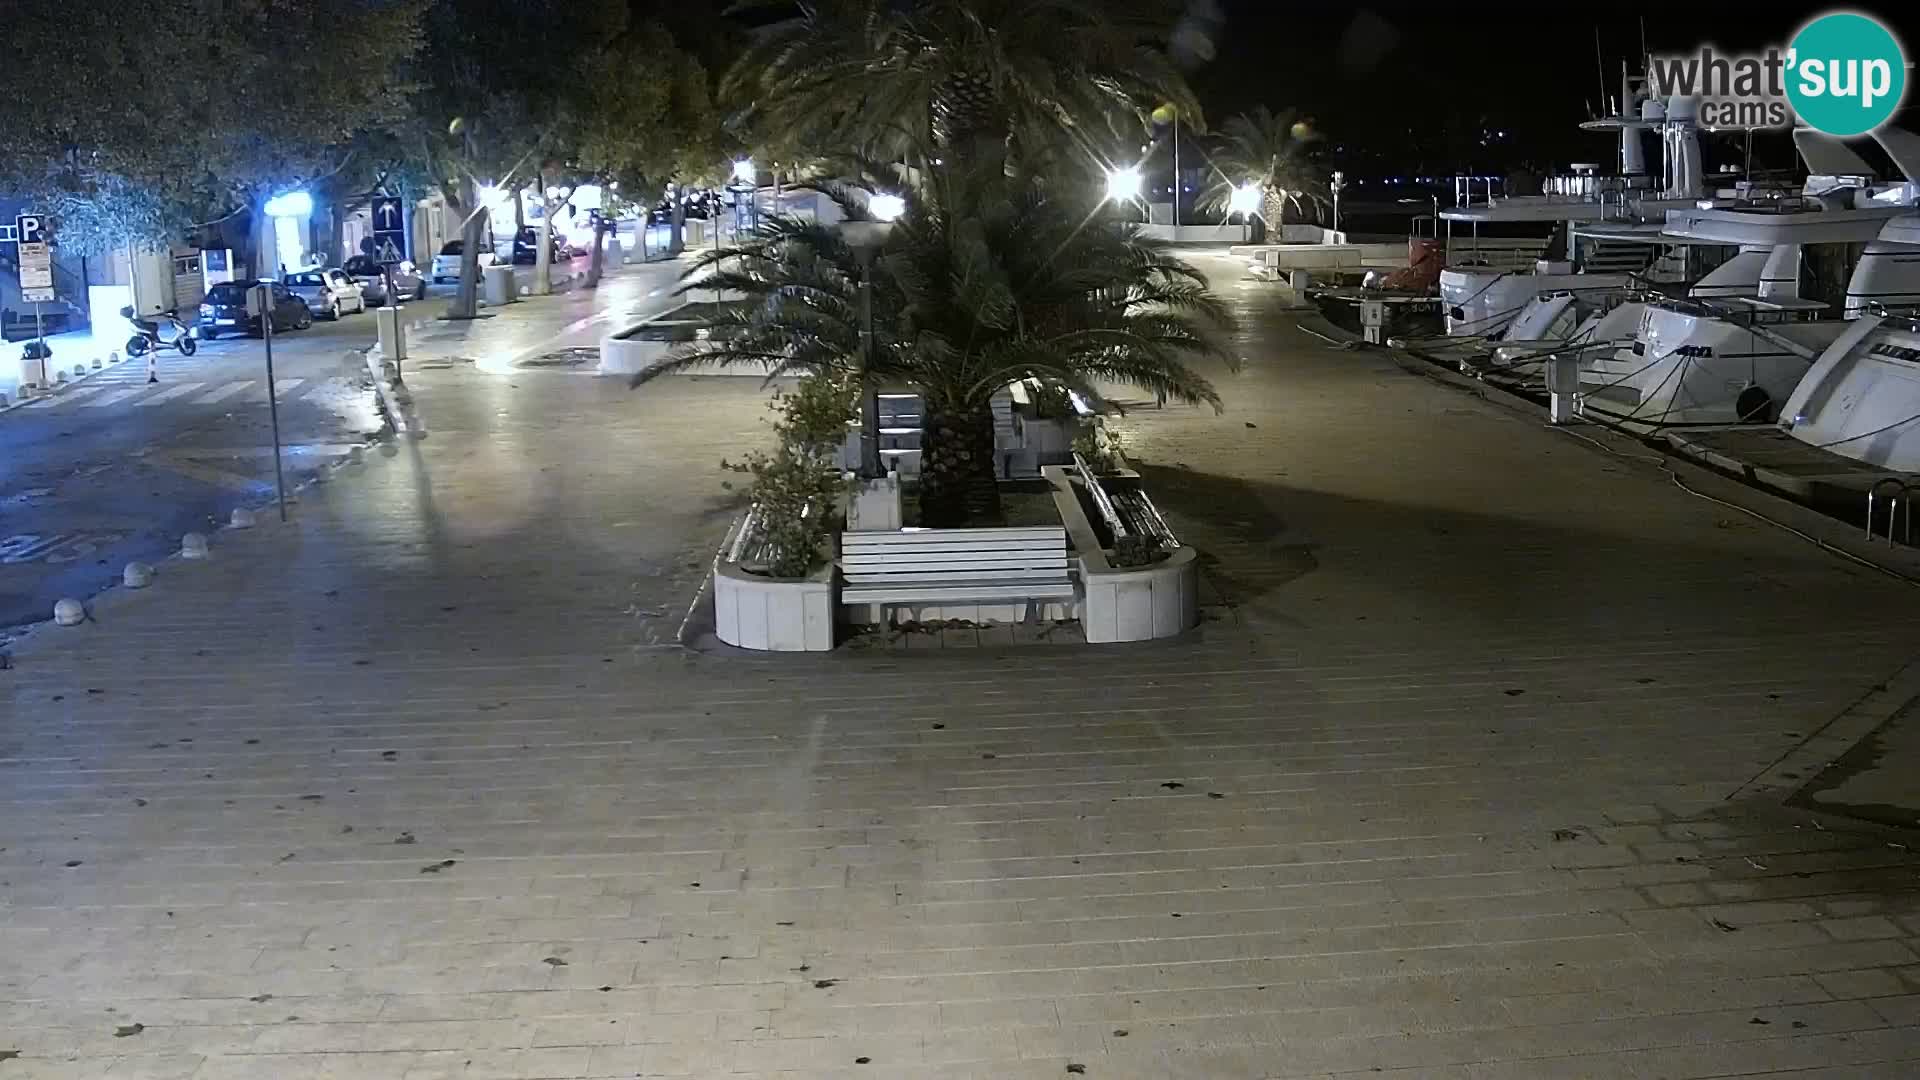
[1746,310]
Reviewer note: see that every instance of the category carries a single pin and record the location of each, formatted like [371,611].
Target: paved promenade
[1480,769]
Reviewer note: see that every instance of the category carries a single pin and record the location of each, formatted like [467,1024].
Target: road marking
[283,387]
[115,398]
[70,395]
[224,390]
[170,393]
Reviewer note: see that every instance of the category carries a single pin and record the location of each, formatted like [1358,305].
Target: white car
[446,265]
[328,292]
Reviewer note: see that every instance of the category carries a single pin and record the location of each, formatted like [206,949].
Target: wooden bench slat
[1055,558]
[1055,552]
[907,537]
[1016,563]
[965,574]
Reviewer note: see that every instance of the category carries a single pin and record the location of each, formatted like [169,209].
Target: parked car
[526,247]
[407,281]
[224,311]
[330,292]
[446,265]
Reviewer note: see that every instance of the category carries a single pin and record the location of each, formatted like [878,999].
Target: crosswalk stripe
[114,398]
[225,390]
[283,387]
[170,393]
[71,395]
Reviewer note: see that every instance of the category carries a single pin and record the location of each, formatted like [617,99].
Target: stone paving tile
[1458,787]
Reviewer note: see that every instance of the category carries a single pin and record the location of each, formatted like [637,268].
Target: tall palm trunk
[1273,207]
[957,483]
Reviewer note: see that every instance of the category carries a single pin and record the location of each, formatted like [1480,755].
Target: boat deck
[1770,457]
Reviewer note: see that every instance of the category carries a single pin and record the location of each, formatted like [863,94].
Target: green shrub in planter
[796,489]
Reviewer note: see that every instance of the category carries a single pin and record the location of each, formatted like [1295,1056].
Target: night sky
[1413,87]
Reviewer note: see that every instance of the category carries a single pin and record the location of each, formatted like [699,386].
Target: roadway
[116,468]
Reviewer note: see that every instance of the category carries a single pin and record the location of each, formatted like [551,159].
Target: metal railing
[1901,498]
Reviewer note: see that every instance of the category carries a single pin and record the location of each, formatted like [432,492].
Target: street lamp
[866,239]
[1244,199]
[1123,185]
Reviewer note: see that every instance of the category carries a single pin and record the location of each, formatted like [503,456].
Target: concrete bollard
[241,518]
[137,575]
[193,546]
[113,357]
[69,612]
[79,370]
[97,362]
[60,377]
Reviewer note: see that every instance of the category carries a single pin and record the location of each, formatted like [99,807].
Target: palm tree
[886,74]
[984,281]
[1267,149]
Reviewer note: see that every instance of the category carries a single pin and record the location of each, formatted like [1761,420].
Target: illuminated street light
[1123,185]
[290,204]
[886,207]
[1244,199]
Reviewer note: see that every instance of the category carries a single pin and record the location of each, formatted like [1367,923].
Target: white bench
[955,567]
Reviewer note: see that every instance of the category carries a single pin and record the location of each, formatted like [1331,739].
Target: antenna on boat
[1600,68]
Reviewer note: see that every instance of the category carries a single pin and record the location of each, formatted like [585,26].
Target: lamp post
[1339,181]
[866,239]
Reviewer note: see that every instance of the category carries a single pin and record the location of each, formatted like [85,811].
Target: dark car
[224,311]
[526,247]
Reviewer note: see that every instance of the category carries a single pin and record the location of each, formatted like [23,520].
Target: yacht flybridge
[1603,233]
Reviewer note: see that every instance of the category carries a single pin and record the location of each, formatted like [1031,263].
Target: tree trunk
[676,228]
[957,482]
[473,230]
[519,209]
[543,258]
[1273,207]
[597,257]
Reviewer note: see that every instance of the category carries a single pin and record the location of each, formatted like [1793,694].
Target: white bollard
[193,546]
[241,518]
[137,575]
[96,363]
[113,357]
[79,370]
[69,612]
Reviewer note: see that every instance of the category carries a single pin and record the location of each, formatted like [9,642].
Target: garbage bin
[500,288]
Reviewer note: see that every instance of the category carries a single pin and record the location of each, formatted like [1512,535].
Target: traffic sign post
[36,270]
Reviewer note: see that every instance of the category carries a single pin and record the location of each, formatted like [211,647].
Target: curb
[60,388]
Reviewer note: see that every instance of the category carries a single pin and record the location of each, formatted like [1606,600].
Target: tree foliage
[884,75]
[1270,150]
[984,281]
[141,124]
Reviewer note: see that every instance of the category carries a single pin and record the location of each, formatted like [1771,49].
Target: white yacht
[1605,237]
[1728,359]
[1861,398]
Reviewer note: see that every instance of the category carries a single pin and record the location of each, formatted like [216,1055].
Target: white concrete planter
[1139,603]
[754,611]
[773,614]
[1126,603]
[633,349]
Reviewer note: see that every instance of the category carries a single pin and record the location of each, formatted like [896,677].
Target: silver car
[408,283]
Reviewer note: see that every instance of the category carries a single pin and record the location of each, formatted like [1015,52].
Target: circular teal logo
[1845,74]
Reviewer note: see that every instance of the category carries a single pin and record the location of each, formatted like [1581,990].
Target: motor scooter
[147,337]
